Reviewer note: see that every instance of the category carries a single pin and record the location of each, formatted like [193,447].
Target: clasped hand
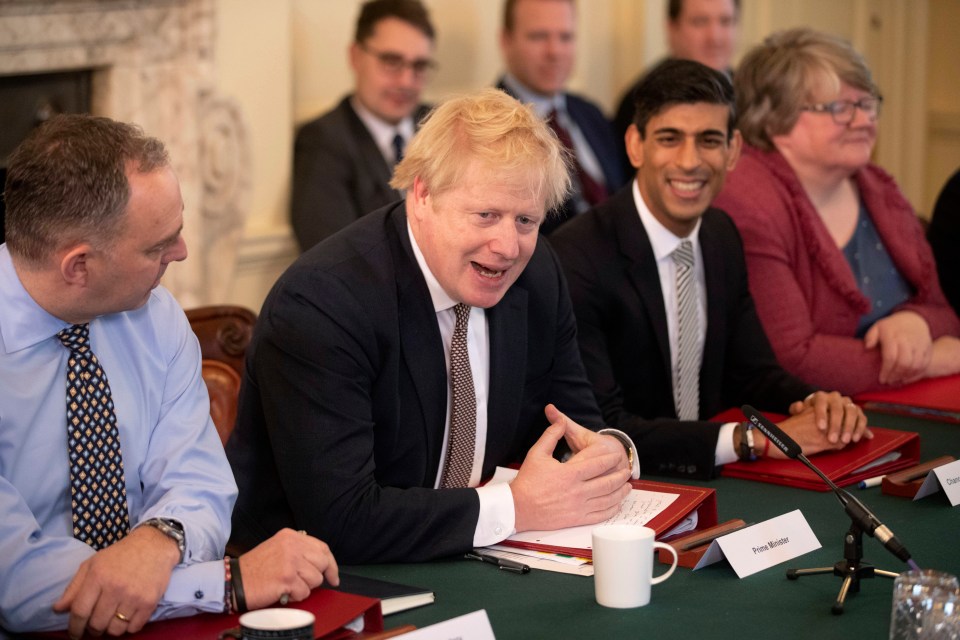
[116,590]
[824,421]
[586,489]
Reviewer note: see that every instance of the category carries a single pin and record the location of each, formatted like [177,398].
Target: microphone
[858,512]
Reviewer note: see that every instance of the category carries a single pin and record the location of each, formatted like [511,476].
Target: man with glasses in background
[343,160]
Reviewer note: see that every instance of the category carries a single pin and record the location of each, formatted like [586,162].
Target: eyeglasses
[844,111]
[394,63]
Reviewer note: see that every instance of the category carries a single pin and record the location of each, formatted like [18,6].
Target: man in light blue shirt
[94,216]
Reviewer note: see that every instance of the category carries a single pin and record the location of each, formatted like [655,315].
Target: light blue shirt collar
[23,322]
[542,104]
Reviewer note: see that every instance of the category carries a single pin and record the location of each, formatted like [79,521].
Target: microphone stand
[852,568]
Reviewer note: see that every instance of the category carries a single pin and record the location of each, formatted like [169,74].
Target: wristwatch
[170,528]
[746,442]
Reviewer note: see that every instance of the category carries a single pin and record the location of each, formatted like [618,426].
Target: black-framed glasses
[844,111]
[394,63]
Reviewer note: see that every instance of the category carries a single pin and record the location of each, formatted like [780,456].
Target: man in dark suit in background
[538,43]
[667,327]
[357,421]
[343,160]
[701,30]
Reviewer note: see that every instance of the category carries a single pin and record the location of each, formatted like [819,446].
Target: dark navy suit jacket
[344,398]
[599,134]
[622,330]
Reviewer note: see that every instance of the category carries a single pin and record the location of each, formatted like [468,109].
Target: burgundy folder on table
[933,398]
[844,467]
[332,610]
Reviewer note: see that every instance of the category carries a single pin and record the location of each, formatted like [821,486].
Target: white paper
[543,560]
[712,555]
[639,507]
[893,456]
[949,477]
[768,543]
[472,626]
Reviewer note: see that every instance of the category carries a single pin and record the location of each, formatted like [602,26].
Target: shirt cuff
[192,589]
[624,438]
[497,515]
[725,452]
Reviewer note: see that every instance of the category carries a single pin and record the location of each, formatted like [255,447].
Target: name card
[946,477]
[472,626]
[763,545]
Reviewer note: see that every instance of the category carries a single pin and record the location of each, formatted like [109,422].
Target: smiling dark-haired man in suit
[343,160]
[397,363]
[667,328]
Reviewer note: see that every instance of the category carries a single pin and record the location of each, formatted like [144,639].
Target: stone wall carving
[152,63]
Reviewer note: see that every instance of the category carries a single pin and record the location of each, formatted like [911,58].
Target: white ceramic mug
[273,624]
[623,564]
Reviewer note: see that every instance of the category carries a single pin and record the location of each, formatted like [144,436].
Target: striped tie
[463,411]
[686,387]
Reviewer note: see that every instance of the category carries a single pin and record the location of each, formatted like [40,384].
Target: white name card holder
[763,545]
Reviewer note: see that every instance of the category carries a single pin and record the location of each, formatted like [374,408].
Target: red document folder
[699,499]
[933,398]
[332,610]
[839,466]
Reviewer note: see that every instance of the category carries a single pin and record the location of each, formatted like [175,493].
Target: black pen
[501,563]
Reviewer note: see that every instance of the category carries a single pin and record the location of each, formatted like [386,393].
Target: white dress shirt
[664,242]
[497,512]
[383,132]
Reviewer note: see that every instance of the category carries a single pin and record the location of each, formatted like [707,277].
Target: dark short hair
[676,81]
[508,10]
[410,11]
[675,8]
[67,182]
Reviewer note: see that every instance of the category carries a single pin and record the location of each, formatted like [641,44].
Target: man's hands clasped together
[586,489]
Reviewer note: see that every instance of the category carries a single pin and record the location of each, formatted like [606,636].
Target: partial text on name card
[639,508]
[472,626]
[947,477]
[768,543]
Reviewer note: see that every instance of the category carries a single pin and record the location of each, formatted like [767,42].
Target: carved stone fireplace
[152,64]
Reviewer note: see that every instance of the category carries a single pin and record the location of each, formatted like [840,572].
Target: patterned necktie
[686,388]
[97,489]
[592,191]
[397,148]
[463,413]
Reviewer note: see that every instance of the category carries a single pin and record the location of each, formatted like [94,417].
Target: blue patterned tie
[97,489]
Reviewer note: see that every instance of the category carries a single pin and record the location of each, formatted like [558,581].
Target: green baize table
[712,602]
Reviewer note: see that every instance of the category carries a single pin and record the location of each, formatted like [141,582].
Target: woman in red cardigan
[844,281]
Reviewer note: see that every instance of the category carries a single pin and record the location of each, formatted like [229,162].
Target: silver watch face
[172,529]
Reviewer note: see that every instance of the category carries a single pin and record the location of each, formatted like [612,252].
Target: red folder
[839,466]
[332,610]
[933,398]
[699,499]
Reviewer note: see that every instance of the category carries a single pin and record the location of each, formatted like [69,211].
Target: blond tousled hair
[787,71]
[494,129]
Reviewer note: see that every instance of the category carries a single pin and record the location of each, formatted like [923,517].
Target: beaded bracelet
[237,581]
[227,587]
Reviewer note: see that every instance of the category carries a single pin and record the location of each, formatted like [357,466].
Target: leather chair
[224,333]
